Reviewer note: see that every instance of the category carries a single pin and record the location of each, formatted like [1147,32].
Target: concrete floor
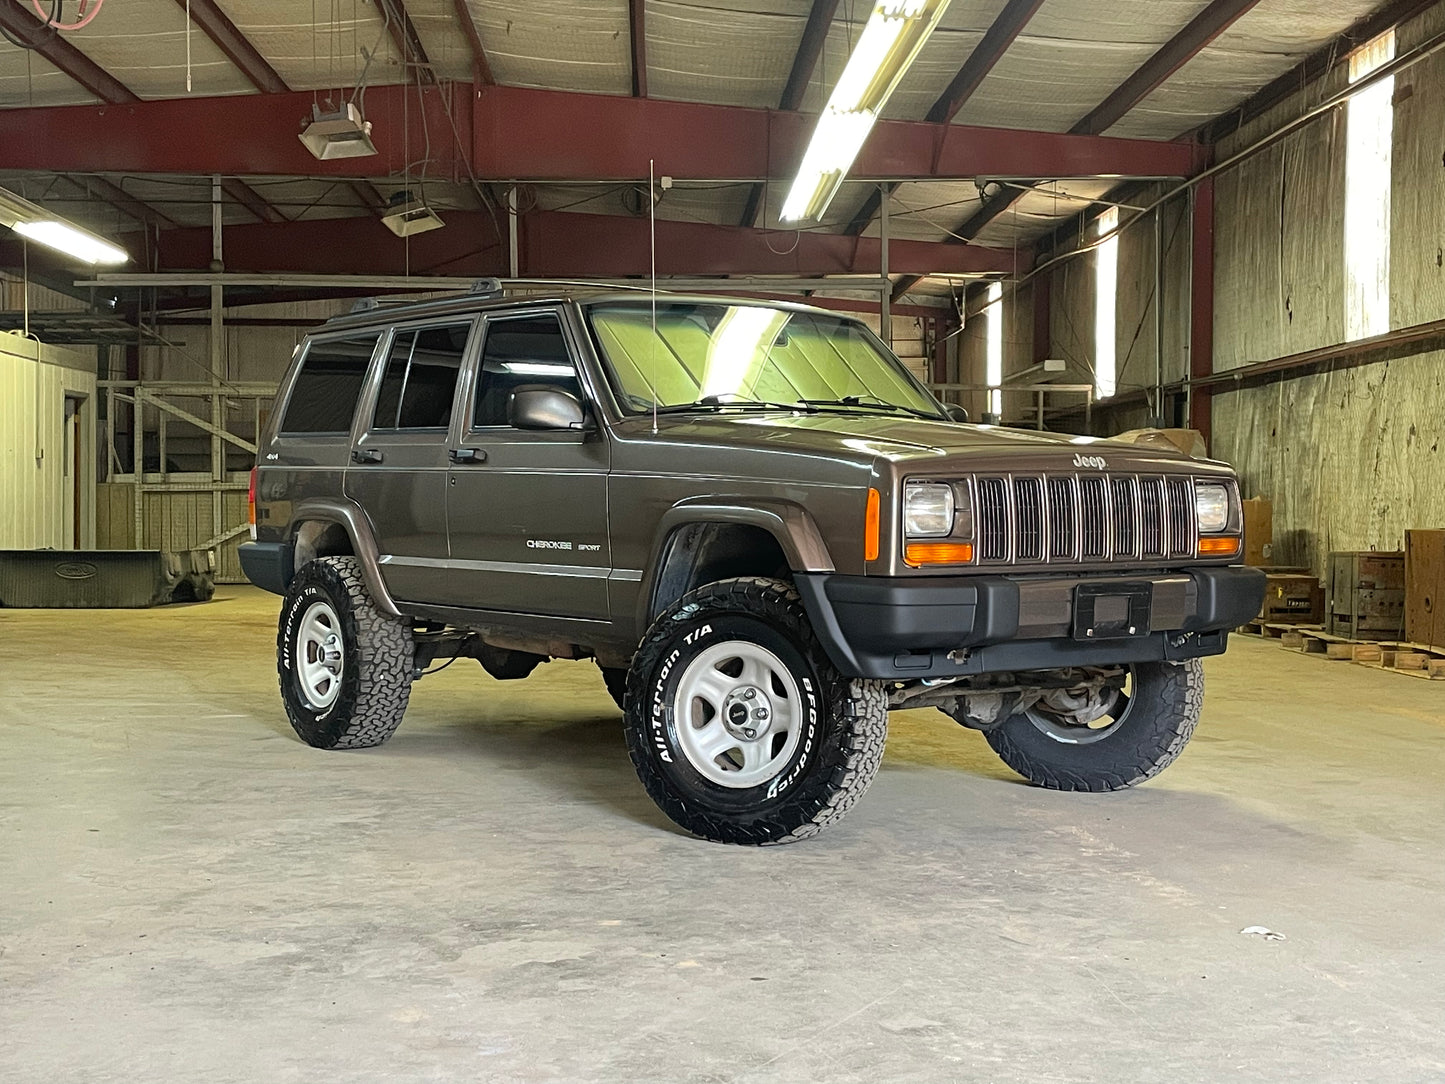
[191,894]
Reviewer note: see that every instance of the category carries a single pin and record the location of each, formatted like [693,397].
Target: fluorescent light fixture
[35,223]
[406,216]
[342,134]
[892,37]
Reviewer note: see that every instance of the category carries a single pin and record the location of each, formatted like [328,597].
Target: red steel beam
[1201,306]
[810,48]
[555,244]
[481,67]
[218,27]
[1214,20]
[17,18]
[637,28]
[540,135]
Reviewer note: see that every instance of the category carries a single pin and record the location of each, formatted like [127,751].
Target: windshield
[713,355]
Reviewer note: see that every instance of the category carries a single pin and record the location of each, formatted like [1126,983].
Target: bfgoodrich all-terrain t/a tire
[1136,742]
[345,666]
[740,728]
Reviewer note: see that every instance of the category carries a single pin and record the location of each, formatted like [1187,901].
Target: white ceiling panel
[582,45]
[322,54]
[719,53]
[27,78]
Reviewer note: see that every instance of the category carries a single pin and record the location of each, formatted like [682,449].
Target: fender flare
[788,523]
[352,519]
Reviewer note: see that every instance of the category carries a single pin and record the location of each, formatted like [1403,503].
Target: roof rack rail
[365,304]
[487,288]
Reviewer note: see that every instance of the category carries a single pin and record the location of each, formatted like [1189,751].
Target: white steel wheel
[1083,719]
[739,714]
[320,656]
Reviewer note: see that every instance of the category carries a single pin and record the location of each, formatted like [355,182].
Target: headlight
[1211,508]
[927,510]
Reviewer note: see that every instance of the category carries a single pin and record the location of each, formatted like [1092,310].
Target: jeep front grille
[1089,518]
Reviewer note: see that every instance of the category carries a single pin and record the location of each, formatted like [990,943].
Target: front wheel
[740,728]
[1107,738]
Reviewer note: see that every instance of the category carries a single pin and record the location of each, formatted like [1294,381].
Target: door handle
[468,455]
[366,455]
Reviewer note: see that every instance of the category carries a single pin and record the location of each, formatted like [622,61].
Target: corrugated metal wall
[36,487]
[1349,458]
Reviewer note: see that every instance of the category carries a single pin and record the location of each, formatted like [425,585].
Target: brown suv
[764,530]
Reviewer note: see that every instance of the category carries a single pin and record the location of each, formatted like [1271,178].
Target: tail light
[251,504]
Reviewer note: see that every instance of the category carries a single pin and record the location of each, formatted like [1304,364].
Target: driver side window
[521,352]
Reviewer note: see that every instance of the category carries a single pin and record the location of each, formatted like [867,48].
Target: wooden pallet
[1416,660]
[1272,630]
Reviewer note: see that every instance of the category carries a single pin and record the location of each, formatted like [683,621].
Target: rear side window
[521,352]
[324,396]
[421,378]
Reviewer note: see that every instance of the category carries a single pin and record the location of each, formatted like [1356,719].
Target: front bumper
[906,628]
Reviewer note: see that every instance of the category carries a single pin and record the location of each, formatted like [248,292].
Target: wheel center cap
[747,713]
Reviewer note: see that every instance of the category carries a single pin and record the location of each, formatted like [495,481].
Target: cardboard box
[1292,600]
[1425,587]
[1258,531]
[1188,441]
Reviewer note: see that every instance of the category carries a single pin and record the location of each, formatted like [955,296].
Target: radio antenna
[652,226]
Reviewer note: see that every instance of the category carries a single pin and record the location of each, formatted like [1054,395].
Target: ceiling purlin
[1216,18]
[217,26]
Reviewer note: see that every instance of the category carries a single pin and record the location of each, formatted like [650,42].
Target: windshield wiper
[718,402]
[871,402]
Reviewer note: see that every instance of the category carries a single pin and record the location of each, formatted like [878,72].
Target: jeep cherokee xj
[761,527]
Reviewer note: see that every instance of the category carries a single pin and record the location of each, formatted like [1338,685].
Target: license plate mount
[1112,611]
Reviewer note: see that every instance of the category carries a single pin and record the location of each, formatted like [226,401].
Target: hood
[918,442]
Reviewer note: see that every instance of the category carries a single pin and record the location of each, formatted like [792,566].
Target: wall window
[993,361]
[1369,124]
[1106,292]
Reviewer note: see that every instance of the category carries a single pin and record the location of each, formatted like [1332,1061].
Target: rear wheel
[740,728]
[345,666]
[1109,738]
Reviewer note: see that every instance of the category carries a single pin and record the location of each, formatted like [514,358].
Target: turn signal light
[1218,547]
[938,553]
[870,527]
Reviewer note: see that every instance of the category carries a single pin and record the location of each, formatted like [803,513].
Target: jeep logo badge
[76,570]
[1093,462]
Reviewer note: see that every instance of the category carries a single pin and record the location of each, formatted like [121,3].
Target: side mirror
[956,412]
[538,406]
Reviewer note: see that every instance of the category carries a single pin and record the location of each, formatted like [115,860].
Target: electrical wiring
[54,18]
[44,34]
